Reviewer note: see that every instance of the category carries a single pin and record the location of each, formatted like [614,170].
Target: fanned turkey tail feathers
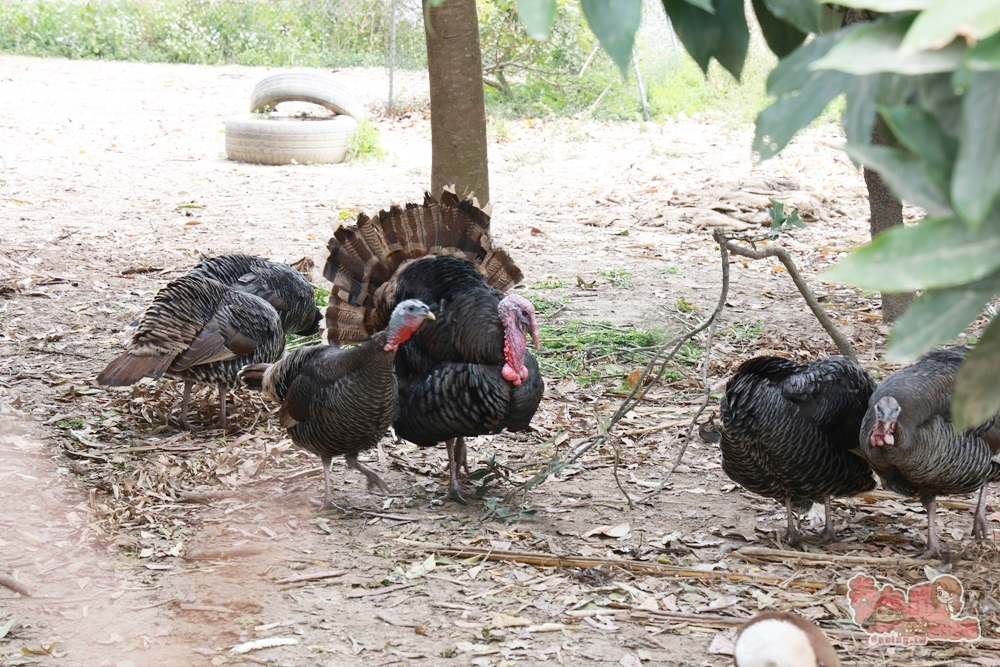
[367,258]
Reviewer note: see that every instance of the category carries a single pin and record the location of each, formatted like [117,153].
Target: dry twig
[14,585]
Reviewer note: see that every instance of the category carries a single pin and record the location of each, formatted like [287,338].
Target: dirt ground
[142,544]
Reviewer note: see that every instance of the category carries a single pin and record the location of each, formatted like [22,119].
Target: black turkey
[468,372]
[788,430]
[910,441]
[340,401]
[198,330]
[279,284]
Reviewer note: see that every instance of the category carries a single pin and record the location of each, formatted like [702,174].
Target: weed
[617,277]
[745,331]
[498,129]
[672,270]
[548,284]
[546,306]
[321,295]
[685,306]
[364,144]
[869,295]
[780,222]
[75,422]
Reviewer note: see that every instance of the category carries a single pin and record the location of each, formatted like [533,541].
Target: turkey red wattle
[517,315]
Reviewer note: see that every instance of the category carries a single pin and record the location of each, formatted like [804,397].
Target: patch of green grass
[277,33]
[548,284]
[75,422]
[546,306]
[592,352]
[364,144]
[686,306]
[744,331]
[321,295]
[672,270]
[617,277]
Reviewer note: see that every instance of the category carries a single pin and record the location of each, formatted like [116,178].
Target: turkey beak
[429,316]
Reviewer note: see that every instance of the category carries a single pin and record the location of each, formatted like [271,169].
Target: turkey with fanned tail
[340,401]
[198,330]
[788,430]
[910,441]
[466,373]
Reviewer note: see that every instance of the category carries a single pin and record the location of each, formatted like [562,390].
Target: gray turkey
[782,639]
[467,373]
[279,284]
[198,330]
[909,440]
[340,401]
[788,430]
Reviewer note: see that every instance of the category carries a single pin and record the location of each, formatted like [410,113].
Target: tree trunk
[886,210]
[458,111]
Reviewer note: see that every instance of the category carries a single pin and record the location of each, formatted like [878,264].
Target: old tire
[306,87]
[255,138]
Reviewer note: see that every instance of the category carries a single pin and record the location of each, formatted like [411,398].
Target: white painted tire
[255,138]
[306,87]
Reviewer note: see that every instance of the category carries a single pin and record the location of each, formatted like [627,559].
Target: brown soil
[146,545]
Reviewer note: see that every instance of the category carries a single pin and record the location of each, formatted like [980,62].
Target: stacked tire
[261,138]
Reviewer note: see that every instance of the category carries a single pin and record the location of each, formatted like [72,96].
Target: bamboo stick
[550,560]
[312,576]
[779,554]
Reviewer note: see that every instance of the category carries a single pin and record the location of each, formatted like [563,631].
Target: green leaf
[859,112]
[614,22]
[778,123]
[794,71]
[977,392]
[921,134]
[703,4]
[537,16]
[937,316]
[976,182]
[803,14]
[887,6]
[781,37]
[935,253]
[831,19]
[985,55]
[904,174]
[874,47]
[938,96]
[723,35]
[945,20]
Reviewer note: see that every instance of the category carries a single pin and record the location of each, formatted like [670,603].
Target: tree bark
[458,110]
[886,210]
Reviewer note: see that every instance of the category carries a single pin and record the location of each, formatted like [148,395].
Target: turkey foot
[183,417]
[979,525]
[374,481]
[456,460]
[829,534]
[328,504]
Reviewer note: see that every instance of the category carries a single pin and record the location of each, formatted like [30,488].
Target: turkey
[468,372]
[782,639]
[788,430]
[198,330]
[340,401]
[908,438]
[279,284]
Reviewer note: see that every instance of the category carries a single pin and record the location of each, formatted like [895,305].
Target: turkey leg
[327,503]
[792,534]
[456,449]
[373,479]
[183,419]
[934,549]
[979,525]
[223,390]
[828,534]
